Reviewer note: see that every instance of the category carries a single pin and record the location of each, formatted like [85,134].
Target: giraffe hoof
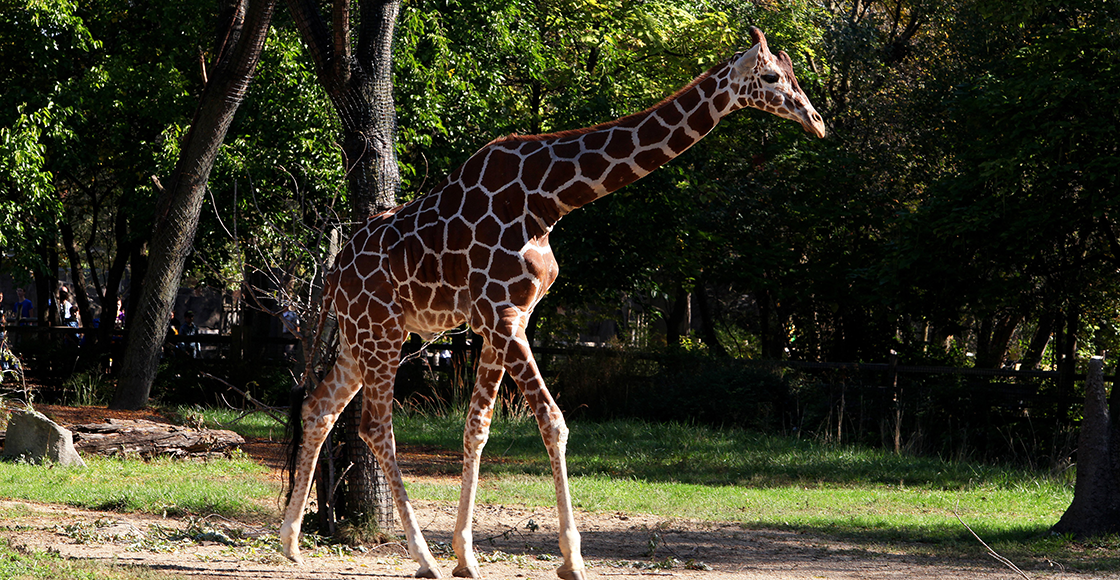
[570,574]
[466,572]
[427,573]
[294,556]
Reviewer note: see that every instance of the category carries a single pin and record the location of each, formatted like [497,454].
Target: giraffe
[475,250]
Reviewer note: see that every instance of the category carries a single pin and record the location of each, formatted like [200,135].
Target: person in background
[291,330]
[120,313]
[22,309]
[65,308]
[6,359]
[189,329]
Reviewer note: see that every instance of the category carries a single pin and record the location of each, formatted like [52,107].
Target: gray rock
[34,438]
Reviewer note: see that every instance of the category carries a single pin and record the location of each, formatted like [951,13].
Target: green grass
[671,470]
[254,425]
[235,488]
[761,481]
[678,453]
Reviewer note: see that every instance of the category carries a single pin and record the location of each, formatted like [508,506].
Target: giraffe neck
[563,171]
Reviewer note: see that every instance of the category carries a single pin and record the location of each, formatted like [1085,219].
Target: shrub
[87,388]
[719,392]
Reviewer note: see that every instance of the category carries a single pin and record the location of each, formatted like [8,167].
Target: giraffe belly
[429,314]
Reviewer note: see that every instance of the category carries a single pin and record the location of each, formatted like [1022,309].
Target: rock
[34,438]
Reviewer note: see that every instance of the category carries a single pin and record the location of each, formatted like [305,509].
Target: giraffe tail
[294,428]
[294,431]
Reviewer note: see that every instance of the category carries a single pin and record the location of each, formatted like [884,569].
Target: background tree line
[964,202]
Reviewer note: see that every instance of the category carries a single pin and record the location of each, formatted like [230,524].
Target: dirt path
[616,545]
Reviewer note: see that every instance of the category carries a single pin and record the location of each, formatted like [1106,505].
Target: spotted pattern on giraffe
[476,250]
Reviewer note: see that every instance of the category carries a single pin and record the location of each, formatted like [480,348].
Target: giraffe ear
[744,61]
[786,65]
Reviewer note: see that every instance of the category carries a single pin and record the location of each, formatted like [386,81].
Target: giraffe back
[452,256]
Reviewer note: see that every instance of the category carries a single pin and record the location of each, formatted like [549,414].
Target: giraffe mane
[515,138]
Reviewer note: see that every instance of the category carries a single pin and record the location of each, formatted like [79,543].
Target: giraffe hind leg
[319,412]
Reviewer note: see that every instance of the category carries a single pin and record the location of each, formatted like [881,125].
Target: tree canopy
[964,202]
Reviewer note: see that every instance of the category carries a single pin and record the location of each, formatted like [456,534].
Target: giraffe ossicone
[475,250]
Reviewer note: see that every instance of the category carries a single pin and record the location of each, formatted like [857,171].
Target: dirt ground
[512,541]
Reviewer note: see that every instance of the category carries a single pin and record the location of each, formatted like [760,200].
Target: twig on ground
[991,552]
[510,530]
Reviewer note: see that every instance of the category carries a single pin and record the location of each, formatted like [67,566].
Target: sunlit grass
[679,453]
[761,481]
[229,487]
[38,565]
[256,425]
[669,470]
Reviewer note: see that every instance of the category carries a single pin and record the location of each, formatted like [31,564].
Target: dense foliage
[964,201]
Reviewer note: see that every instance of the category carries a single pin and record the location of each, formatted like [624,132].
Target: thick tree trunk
[359,84]
[374,180]
[179,205]
[1095,509]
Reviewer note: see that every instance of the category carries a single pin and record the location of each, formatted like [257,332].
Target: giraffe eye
[770,77]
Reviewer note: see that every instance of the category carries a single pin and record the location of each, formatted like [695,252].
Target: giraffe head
[766,82]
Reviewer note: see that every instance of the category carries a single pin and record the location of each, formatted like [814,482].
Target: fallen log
[150,439]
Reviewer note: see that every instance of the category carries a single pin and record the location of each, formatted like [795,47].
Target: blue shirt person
[22,308]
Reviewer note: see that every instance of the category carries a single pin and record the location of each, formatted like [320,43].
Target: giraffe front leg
[554,432]
[475,434]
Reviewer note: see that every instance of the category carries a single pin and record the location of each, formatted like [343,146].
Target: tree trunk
[179,205]
[132,437]
[360,85]
[771,331]
[992,343]
[78,288]
[46,283]
[113,280]
[679,321]
[708,321]
[374,180]
[1095,509]
[1066,347]
[1037,346]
